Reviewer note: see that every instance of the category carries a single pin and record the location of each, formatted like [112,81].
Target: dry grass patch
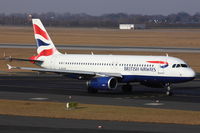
[98,112]
[95,36]
[17,53]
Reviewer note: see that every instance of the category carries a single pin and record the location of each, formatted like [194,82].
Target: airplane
[105,72]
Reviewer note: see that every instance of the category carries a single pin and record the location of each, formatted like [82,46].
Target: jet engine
[103,83]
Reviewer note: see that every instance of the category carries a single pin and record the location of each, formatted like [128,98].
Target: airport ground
[187,38]
[25,91]
[22,96]
[30,88]
[112,37]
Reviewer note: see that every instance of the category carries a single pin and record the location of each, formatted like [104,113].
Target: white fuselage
[126,65]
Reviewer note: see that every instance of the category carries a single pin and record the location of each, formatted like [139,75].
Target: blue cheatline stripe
[41,43]
[160,79]
[164,66]
[151,79]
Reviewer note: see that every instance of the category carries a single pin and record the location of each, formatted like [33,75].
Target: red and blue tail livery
[44,42]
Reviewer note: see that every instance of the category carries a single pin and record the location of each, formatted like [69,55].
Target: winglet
[9,66]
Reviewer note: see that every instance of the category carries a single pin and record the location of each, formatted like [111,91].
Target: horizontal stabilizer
[19,59]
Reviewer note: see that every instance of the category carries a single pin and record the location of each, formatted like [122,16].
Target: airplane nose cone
[187,75]
[190,74]
[193,74]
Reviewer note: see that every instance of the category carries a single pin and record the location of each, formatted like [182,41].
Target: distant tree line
[181,19]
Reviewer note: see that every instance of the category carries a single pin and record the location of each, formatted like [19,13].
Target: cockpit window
[184,65]
[179,65]
[174,65]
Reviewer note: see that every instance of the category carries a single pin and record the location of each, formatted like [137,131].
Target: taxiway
[58,89]
[55,88]
[108,48]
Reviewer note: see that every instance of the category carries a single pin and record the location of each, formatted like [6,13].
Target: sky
[99,7]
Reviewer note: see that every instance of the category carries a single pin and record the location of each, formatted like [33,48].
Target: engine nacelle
[103,83]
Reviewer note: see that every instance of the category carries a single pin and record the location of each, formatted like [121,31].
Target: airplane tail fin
[45,46]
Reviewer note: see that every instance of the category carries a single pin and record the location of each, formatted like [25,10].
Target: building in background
[126,26]
[131,26]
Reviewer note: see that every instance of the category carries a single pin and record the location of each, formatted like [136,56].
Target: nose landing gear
[127,88]
[168,87]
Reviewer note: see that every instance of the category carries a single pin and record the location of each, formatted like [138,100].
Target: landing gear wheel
[168,92]
[127,88]
[92,90]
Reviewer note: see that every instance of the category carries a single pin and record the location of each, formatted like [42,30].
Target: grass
[158,37]
[98,112]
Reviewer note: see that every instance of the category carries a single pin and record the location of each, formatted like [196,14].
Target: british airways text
[152,69]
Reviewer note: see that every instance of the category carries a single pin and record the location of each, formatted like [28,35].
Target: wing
[60,71]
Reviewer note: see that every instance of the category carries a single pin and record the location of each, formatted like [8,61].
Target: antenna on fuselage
[92,53]
[167,55]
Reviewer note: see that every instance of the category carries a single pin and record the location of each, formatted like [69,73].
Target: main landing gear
[127,88]
[92,90]
[168,87]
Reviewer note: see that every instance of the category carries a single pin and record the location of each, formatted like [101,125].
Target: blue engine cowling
[103,83]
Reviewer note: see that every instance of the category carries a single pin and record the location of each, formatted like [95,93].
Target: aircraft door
[114,66]
[160,69]
[53,62]
[161,66]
